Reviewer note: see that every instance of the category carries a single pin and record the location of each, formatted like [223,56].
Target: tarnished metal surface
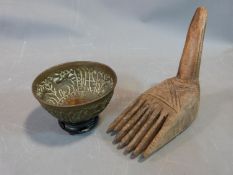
[76,91]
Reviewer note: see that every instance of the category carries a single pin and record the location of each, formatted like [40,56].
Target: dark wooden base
[79,128]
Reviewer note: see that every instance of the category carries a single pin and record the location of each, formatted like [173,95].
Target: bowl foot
[79,128]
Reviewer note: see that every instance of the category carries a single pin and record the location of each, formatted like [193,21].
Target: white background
[142,41]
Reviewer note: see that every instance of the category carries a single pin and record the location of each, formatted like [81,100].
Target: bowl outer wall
[82,113]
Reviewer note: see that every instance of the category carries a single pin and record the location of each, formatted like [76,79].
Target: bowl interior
[74,83]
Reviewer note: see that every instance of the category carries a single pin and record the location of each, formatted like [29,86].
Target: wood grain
[164,111]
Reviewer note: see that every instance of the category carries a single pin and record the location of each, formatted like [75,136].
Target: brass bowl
[75,93]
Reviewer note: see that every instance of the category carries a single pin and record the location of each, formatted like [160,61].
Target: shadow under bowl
[75,93]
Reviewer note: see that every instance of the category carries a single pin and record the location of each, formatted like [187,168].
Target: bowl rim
[69,64]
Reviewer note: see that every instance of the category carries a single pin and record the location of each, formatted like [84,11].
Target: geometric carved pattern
[172,90]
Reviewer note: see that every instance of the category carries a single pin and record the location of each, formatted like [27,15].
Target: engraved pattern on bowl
[76,91]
